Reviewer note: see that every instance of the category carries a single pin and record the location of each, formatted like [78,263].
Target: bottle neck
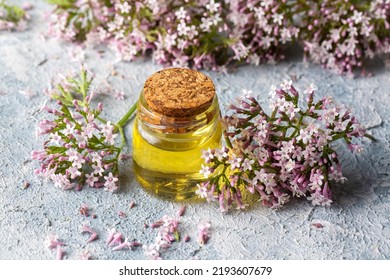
[157,122]
[173,133]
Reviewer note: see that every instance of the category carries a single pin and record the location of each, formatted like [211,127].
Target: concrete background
[356,226]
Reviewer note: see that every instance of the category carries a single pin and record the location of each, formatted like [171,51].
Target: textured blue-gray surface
[356,226]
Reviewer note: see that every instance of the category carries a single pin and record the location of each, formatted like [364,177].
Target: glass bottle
[177,117]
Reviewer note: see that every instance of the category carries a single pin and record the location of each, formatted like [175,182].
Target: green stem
[123,138]
[228,142]
[102,120]
[273,114]
[126,117]
[121,123]
[298,126]
[369,136]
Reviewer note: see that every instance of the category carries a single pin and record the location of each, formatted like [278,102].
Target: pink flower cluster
[201,34]
[260,30]
[180,33]
[190,34]
[13,18]
[215,34]
[80,147]
[341,35]
[281,155]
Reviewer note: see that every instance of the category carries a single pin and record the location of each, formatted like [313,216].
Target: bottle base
[170,186]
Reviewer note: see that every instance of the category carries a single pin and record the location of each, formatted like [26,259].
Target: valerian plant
[342,35]
[287,153]
[260,30]
[216,34]
[179,33]
[12,18]
[80,147]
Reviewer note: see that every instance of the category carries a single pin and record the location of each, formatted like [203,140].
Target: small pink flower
[108,128]
[91,179]
[122,214]
[86,228]
[136,244]
[318,225]
[110,183]
[205,170]
[119,95]
[52,242]
[121,246]
[126,245]
[84,210]
[152,252]
[60,253]
[235,162]
[203,232]
[97,169]
[117,239]
[125,156]
[207,155]
[157,224]
[94,235]
[111,234]
[85,255]
[132,204]
[181,211]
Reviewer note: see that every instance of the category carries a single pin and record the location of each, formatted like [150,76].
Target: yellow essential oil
[169,135]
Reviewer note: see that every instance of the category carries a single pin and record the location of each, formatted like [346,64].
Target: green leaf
[56,150]
[177,236]
[13,13]
[65,4]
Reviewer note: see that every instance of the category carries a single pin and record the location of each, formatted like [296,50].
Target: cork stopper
[179,92]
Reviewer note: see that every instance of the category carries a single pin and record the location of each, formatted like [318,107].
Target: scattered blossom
[52,242]
[84,210]
[132,204]
[85,255]
[203,232]
[116,239]
[186,238]
[122,214]
[181,211]
[60,253]
[167,234]
[86,228]
[110,236]
[126,245]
